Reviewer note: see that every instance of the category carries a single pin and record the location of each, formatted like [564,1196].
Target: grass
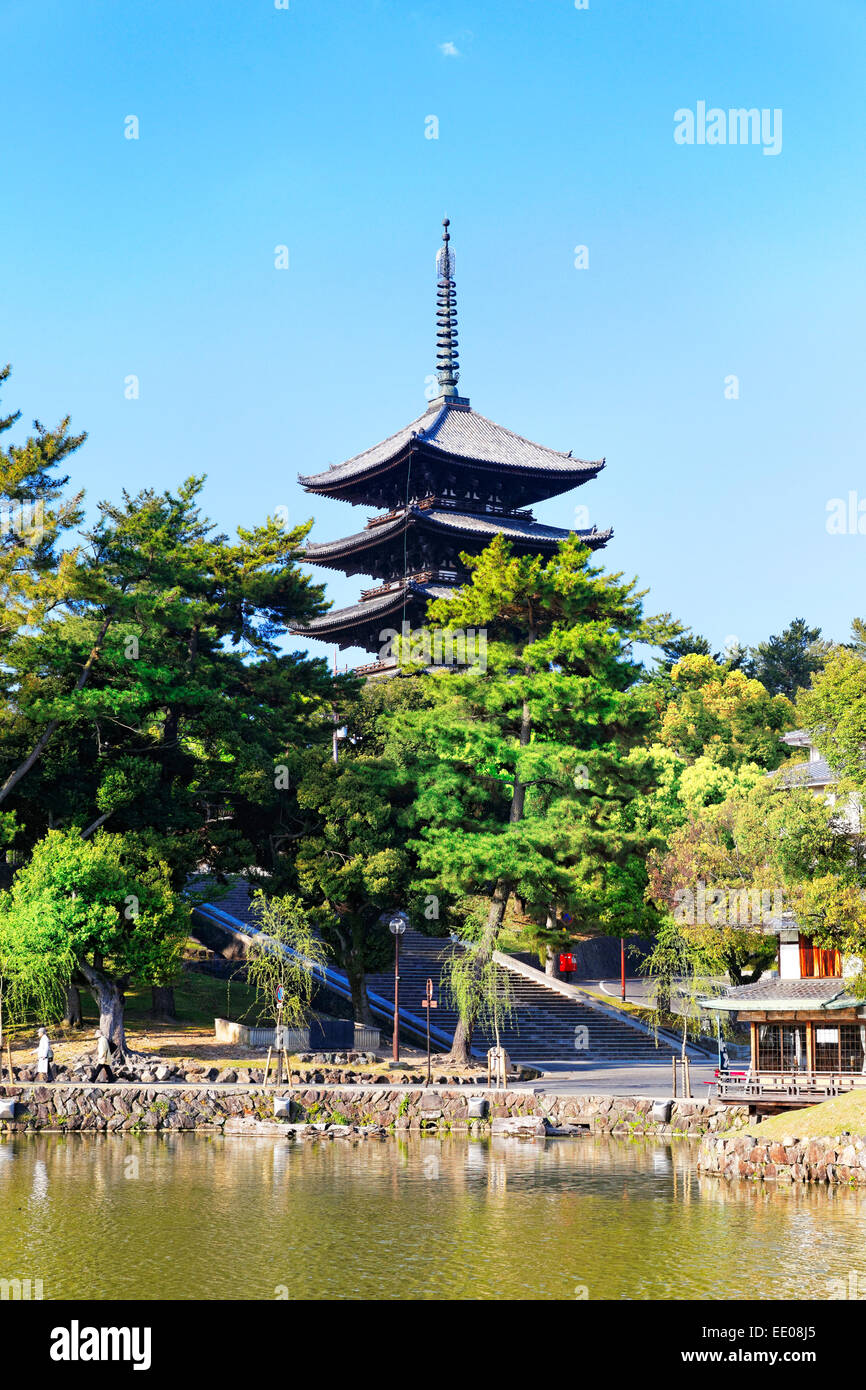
[199,999]
[829,1118]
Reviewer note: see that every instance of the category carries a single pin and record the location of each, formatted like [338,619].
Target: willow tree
[522,769]
[479,990]
[283,958]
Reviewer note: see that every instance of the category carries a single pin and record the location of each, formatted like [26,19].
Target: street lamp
[397,926]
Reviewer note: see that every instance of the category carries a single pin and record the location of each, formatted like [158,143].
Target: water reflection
[189,1216]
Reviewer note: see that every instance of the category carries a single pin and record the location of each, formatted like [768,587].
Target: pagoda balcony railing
[376,668]
[454,504]
[791,1087]
[446,576]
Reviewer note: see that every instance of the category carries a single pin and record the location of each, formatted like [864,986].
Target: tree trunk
[74,1015]
[550,961]
[461,1044]
[162,1003]
[361,1011]
[109,1000]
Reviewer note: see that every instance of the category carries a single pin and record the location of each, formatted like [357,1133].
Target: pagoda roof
[382,606]
[455,432]
[484,525]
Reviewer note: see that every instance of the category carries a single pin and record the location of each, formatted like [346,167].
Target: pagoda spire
[447,356]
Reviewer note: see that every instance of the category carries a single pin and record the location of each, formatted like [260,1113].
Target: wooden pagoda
[447,484]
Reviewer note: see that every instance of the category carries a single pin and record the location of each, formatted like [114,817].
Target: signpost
[428,1004]
[280,1044]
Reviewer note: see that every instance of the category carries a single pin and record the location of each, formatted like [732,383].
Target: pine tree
[786,663]
[522,769]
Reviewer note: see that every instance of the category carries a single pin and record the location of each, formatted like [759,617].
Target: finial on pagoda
[447,356]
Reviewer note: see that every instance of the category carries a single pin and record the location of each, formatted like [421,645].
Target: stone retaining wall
[785,1160]
[62,1108]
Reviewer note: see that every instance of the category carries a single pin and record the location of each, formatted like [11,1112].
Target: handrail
[336,980]
[780,1082]
[530,972]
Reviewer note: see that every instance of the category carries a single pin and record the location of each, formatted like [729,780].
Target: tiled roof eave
[356,614]
[456,523]
[359,540]
[761,997]
[334,480]
[781,1006]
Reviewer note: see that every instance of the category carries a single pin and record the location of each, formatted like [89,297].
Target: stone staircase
[543,1025]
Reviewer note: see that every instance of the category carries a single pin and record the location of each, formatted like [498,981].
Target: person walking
[44,1055]
[103,1054]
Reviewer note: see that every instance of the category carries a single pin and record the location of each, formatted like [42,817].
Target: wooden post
[754,1039]
[267,1068]
[674,1069]
[687,1079]
[810,1047]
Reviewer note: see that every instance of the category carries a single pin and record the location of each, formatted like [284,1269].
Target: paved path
[615,1079]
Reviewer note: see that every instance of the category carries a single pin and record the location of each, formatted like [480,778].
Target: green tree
[352,863]
[522,769]
[724,715]
[479,990]
[786,663]
[730,871]
[685,644]
[186,723]
[103,908]
[37,516]
[283,958]
[834,712]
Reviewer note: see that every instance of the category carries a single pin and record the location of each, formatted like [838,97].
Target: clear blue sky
[306,127]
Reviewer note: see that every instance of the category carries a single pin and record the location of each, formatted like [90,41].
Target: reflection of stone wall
[785,1160]
[178,1107]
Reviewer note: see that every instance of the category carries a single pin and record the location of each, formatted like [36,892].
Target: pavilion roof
[457,432]
[786,995]
[817,773]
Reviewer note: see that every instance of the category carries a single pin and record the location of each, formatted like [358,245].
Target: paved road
[638,990]
[620,1079]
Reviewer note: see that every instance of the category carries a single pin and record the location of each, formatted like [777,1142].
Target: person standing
[44,1055]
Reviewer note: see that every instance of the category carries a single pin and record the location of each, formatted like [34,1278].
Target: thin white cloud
[449,50]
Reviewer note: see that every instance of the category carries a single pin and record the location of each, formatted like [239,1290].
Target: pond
[189,1216]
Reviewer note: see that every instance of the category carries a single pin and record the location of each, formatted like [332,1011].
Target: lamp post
[397,926]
